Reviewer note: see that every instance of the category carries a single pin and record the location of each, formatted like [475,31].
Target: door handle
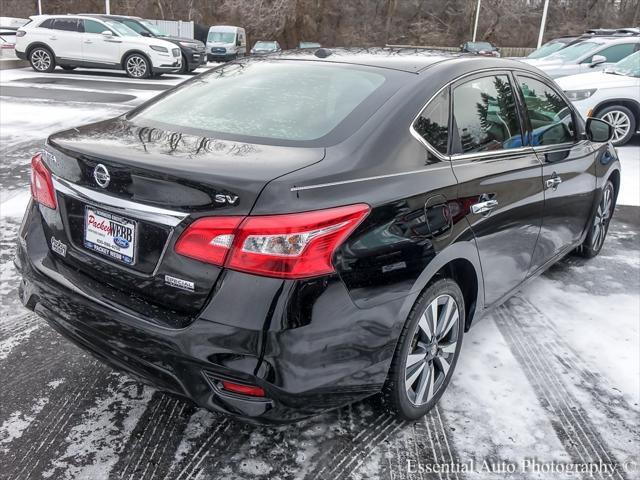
[484,207]
[88,41]
[53,37]
[553,182]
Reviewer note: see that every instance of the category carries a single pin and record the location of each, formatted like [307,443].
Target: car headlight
[189,44]
[158,48]
[575,95]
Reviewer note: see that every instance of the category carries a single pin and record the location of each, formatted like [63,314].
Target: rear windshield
[280,100]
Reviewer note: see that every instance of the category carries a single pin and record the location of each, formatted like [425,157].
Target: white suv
[72,41]
[612,95]
[591,55]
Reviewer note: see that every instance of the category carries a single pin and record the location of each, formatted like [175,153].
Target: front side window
[433,122]
[615,53]
[66,24]
[91,26]
[292,101]
[550,116]
[121,29]
[485,115]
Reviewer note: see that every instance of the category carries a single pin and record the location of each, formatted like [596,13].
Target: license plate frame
[101,241]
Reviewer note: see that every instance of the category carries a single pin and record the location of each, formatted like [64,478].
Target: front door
[568,168]
[499,179]
[97,48]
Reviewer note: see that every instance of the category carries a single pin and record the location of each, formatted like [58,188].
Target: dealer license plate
[111,235]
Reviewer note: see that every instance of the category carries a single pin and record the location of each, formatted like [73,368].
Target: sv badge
[227,199]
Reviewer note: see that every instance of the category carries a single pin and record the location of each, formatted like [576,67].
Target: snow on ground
[551,375]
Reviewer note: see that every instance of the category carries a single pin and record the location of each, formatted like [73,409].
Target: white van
[226,43]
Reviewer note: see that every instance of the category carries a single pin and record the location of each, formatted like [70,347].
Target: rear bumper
[21,55]
[310,361]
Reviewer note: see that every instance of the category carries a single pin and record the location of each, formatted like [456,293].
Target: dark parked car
[290,233]
[265,46]
[484,49]
[193,51]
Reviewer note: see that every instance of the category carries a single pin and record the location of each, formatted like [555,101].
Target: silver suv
[588,56]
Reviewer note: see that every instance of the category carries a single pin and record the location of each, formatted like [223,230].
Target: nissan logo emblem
[101,175]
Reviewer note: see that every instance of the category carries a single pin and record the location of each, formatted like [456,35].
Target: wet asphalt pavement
[550,376]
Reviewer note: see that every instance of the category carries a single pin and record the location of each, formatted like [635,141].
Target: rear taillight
[208,239]
[20,33]
[297,245]
[250,390]
[42,189]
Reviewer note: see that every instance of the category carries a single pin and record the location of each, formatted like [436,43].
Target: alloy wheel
[602,218]
[136,66]
[41,60]
[620,122]
[432,350]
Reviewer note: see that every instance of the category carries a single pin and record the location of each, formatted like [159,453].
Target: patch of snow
[630,179]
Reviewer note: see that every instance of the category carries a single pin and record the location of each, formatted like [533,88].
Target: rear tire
[427,351]
[599,225]
[137,66]
[623,121]
[42,60]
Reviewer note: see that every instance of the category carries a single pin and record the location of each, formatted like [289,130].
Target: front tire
[137,66]
[599,223]
[184,68]
[42,60]
[427,351]
[623,122]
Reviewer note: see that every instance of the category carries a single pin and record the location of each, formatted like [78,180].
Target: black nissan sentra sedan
[291,233]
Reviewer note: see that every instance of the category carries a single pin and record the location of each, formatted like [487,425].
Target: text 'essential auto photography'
[320,240]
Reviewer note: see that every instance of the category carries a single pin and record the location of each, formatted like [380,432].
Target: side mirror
[107,34]
[597,60]
[598,130]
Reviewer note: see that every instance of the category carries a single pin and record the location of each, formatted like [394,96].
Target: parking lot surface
[551,376]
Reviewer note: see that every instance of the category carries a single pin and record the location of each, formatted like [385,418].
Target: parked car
[226,43]
[559,43]
[612,95]
[309,45]
[484,49]
[263,46]
[72,41]
[193,53]
[285,236]
[589,55]
[7,41]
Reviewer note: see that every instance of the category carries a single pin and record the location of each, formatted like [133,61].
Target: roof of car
[406,59]
[104,15]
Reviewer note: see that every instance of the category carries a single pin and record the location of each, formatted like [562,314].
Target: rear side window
[66,24]
[433,122]
[485,115]
[293,101]
[550,116]
[614,53]
[48,23]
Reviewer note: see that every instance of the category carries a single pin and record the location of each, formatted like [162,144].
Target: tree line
[513,23]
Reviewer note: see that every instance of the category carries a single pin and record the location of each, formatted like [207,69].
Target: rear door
[568,167]
[65,39]
[500,179]
[96,48]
